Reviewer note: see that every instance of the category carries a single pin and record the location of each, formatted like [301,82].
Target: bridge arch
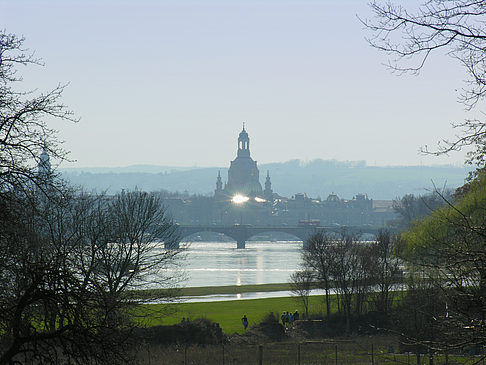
[187,233]
[282,235]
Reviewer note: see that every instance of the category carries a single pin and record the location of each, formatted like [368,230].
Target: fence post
[372,355]
[260,354]
[431,358]
[336,355]
[298,354]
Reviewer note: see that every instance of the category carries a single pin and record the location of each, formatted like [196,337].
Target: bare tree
[455,26]
[448,246]
[68,260]
[411,208]
[349,273]
[340,262]
[67,266]
[384,270]
[301,284]
[317,258]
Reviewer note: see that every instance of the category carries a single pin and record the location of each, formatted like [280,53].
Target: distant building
[44,174]
[265,207]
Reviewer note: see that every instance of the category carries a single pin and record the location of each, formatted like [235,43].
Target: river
[221,263]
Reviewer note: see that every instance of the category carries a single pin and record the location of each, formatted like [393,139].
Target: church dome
[243,174]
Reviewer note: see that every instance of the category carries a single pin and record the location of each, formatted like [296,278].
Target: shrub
[200,331]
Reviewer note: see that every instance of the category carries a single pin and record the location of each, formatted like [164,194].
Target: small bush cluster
[200,331]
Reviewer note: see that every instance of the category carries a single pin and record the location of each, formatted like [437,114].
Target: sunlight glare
[240,199]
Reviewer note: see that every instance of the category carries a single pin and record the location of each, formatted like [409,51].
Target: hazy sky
[170,82]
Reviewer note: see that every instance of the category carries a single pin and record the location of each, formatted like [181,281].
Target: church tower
[243,144]
[268,193]
[44,166]
[44,174]
[219,183]
[219,192]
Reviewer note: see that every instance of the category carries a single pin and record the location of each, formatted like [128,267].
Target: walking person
[244,321]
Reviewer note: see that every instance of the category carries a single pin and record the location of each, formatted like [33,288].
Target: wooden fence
[294,353]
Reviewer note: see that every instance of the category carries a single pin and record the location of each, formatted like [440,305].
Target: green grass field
[229,313]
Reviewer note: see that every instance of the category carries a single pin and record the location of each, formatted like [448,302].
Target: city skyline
[170,83]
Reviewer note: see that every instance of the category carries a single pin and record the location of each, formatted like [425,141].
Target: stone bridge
[242,232]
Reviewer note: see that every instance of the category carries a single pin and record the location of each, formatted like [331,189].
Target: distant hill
[315,178]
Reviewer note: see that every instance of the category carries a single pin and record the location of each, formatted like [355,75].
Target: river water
[221,263]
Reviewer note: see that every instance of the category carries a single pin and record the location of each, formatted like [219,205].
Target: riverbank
[212,290]
[234,289]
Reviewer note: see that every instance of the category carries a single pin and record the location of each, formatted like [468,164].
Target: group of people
[288,318]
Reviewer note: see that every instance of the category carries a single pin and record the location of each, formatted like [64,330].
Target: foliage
[448,248]
[456,227]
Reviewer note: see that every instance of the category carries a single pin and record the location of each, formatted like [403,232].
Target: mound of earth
[308,329]
[269,330]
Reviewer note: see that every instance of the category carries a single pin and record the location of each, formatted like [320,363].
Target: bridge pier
[240,244]
[171,245]
[240,234]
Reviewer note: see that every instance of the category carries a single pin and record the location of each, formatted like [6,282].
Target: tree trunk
[328,304]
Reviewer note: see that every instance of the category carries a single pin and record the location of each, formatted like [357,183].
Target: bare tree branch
[458,28]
